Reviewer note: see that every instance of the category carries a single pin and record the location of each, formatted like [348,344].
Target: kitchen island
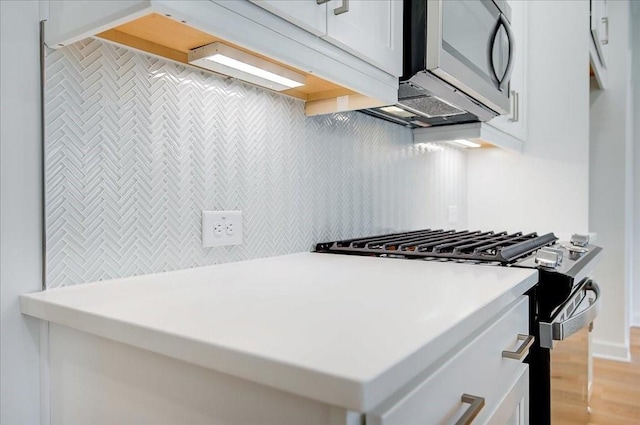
[314,336]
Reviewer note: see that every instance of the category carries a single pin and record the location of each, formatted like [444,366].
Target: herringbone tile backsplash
[137,147]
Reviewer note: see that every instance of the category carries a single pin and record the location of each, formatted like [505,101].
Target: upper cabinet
[308,14]
[370,30]
[515,123]
[347,54]
[599,41]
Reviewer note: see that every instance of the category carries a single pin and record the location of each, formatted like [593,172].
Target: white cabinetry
[370,30]
[307,14]
[599,40]
[350,61]
[515,123]
[478,380]
[514,408]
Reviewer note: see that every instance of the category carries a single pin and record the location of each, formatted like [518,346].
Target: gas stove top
[500,248]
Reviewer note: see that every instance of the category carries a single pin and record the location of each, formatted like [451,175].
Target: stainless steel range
[560,304]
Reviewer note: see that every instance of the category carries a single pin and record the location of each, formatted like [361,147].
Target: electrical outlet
[220,228]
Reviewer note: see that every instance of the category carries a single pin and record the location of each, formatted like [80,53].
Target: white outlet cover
[216,225]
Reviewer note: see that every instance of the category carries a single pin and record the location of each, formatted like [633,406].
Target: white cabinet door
[479,370]
[514,407]
[515,123]
[370,30]
[307,14]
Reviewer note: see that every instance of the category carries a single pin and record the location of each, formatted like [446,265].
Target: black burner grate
[500,247]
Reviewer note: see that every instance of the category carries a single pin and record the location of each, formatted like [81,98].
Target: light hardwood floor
[615,399]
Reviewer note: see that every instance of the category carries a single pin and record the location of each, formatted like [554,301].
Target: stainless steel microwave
[458,59]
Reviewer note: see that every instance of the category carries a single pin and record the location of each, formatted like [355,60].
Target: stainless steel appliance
[563,303]
[458,58]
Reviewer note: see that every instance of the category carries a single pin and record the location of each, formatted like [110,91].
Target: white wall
[610,195]
[635,81]
[546,189]
[20,210]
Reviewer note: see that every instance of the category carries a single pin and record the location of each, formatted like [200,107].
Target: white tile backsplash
[137,147]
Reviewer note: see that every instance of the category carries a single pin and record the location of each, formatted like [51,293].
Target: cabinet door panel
[371,30]
[514,407]
[307,14]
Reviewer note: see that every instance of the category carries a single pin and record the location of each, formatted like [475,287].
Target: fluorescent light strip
[244,66]
[249,69]
[466,143]
[394,110]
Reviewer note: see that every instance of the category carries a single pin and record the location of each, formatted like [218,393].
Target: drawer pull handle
[477,403]
[342,9]
[522,350]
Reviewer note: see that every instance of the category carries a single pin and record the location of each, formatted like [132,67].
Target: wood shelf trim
[163,36]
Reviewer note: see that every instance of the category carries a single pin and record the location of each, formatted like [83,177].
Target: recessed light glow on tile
[466,143]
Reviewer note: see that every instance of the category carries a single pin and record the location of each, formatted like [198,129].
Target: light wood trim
[163,36]
[331,93]
[120,37]
[167,32]
[339,104]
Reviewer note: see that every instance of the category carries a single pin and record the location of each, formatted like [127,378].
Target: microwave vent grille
[431,106]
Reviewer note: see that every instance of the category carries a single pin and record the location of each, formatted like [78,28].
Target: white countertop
[344,330]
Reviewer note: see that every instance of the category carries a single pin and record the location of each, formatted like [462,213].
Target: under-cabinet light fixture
[465,143]
[227,60]
[394,110]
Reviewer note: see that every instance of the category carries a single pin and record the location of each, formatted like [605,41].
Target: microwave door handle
[500,83]
[512,51]
[558,331]
[492,41]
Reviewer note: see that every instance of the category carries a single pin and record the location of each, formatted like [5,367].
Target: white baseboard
[611,351]
[635,319]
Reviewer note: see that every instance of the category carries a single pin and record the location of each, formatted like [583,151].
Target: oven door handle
[559,330]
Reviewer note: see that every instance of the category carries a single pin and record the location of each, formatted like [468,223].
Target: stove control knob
[580,240]
[549,257]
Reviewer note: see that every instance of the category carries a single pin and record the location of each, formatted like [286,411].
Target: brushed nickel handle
[342,9]
[477,403]
[514,106]
[605,40]
[322,1]
[578,321]
[559,329]
[522,351]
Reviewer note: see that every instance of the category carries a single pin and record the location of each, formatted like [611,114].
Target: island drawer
[474,380]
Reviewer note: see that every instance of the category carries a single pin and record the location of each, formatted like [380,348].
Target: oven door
[570,359]
[471,46]
[571,377]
